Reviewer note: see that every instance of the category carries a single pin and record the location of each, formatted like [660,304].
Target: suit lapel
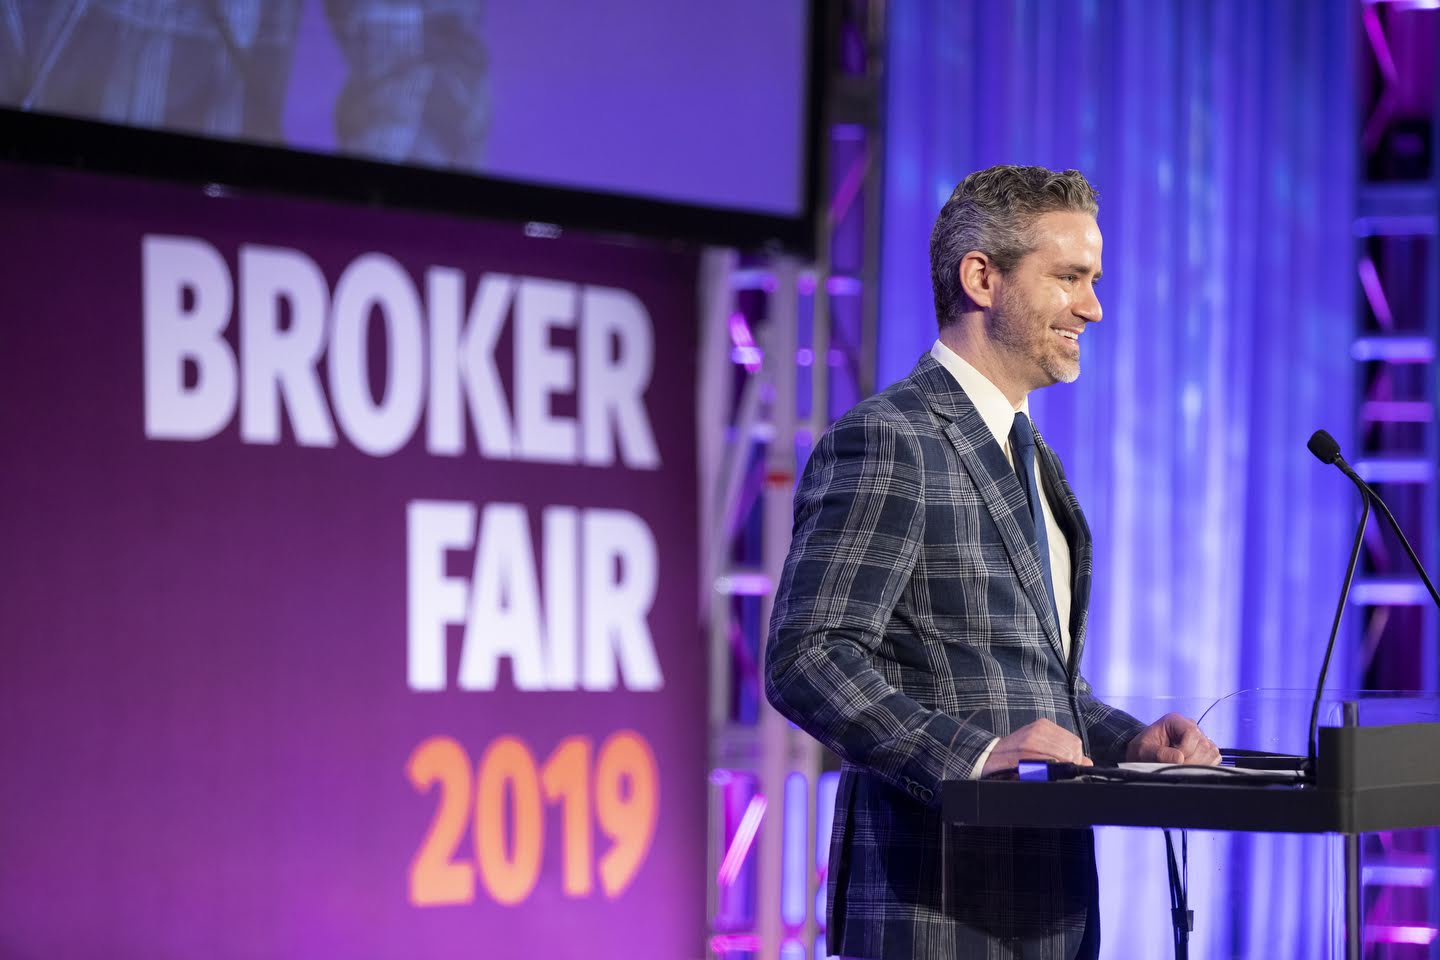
[999,487]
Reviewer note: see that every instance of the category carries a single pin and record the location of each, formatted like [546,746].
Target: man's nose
[1088,306]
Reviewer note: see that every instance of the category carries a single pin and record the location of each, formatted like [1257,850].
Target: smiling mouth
[1070,335]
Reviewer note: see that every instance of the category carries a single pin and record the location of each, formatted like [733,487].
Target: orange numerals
[508,791]
[567,780]
[433,877]
[627,800]
[509,875]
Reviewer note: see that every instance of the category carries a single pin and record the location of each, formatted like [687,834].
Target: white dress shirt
[999,415]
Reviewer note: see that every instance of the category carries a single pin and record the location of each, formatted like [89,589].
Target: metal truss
[786,346]
[1398,259]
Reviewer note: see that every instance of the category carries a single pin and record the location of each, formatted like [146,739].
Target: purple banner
[350,577]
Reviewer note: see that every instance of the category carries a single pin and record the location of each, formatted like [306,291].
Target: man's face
[1045,303]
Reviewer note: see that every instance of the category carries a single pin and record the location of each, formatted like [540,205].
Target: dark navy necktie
[1022,447]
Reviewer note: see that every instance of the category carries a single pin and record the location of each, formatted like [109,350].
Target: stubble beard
[1026,337]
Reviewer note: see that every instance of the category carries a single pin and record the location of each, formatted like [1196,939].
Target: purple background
[695,103]
[203,709]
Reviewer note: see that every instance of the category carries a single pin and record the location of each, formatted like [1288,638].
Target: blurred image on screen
[697,104]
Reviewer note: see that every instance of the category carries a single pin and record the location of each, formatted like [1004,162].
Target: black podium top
[1367,779]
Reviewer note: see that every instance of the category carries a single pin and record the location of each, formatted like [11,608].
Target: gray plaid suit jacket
[911,626]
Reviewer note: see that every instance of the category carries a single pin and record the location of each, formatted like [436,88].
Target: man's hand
[1172,739]
[1041,740]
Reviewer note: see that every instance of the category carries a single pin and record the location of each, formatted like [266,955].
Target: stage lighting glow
[794,864]
[1394,349]
[743,585]
[1405,470]
[1420,936]
[1391,875]
[746,352]
[740,843]
[726,942]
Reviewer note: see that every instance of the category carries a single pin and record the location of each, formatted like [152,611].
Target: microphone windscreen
[1324,447]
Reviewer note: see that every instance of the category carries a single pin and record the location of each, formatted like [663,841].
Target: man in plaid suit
[931,617]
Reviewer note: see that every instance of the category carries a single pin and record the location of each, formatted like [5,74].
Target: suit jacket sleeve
[859,525]
[1110,729]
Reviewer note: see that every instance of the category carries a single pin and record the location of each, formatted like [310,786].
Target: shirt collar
[991,404]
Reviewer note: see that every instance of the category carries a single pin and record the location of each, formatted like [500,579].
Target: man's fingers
[1192,741]
[1059,743]
[1174,738]
[1041,740]
[1044,735]
[1176,723]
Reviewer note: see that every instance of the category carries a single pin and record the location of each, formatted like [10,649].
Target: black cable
[1395,525]
[1185,878]
[1179,902]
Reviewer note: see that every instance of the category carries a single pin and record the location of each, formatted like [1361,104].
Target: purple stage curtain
[1222,137]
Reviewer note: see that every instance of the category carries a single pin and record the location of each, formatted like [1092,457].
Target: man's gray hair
[993,211]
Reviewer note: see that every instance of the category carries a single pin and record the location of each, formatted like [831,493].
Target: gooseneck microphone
[1326,450]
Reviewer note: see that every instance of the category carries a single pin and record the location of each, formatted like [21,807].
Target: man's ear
[978,278]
